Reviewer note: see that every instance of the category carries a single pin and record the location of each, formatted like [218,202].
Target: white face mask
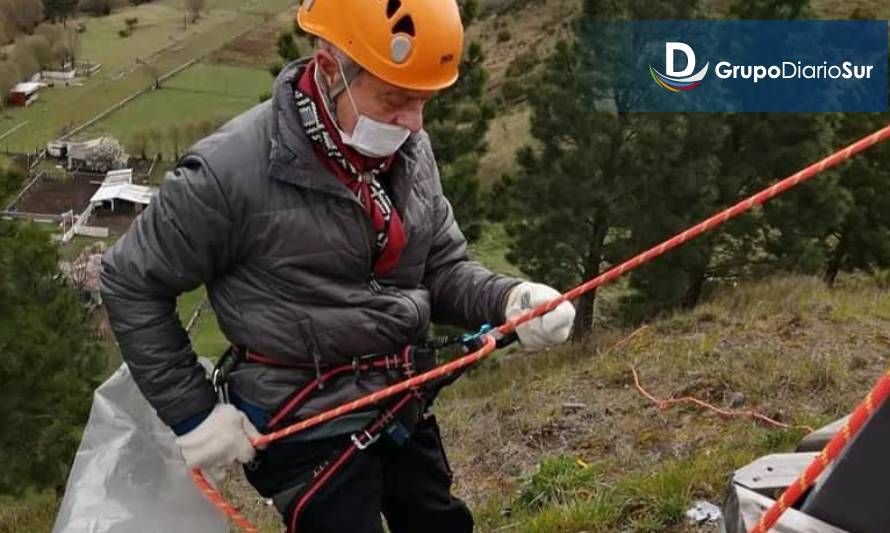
[369,137]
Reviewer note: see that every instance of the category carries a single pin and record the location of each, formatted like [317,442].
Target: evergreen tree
[59,10]
[750,150]
[790,233]
[49,362]
[10,180]
[288,50]
[859,234]
[457,120]
[589,193]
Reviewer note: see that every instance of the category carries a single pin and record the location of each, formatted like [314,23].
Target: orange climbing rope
[220,503]
[832,450]
[510,326]
[727,413]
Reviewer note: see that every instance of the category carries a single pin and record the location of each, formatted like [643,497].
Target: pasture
[159,44]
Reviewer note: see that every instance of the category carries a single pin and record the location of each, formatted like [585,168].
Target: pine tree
[10,180]
[49,362]
[789,234]
[288,50]
[580,198]
[457,120]
[859,236]
[59,10]
[750,150]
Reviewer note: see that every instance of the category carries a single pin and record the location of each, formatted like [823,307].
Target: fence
[140,92]
[11,205]
[33,217]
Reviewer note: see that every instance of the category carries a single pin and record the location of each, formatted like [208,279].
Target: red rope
[727,413]
[610,275]
[745,205]
[832,450]
[218,501]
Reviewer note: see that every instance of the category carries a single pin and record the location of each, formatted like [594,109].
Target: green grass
[491,248]
[506,134]
[188,302]
[844,8]
[31,513]
[207,339]
[776,346]
[160,25]
[204,92]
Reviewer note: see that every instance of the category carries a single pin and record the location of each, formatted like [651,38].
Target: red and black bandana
[355,171]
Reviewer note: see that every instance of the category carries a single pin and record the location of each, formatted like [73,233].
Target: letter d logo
[670,51]
[674,80]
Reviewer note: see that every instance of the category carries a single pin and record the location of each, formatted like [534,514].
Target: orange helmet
[413,44]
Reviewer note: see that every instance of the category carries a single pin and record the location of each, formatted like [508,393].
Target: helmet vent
[391,7]
[404,25]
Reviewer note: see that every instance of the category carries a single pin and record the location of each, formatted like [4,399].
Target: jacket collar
[292,155]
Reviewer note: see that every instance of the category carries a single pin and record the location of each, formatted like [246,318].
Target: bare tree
[175,135]
[194,8]
[154,72]
[39,48]
[72,44]
[100,7]
[23,14]
[55,35]
[23,56]
[9,77]
[139,144]
[155,140]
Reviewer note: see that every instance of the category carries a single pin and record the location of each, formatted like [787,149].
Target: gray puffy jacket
[285,251]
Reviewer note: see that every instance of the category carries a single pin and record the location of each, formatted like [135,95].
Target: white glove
[221,439]
[544,331]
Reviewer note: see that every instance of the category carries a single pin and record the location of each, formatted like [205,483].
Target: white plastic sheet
[128,475]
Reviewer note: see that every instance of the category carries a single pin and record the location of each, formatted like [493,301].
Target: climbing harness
[398,420]
[485,343]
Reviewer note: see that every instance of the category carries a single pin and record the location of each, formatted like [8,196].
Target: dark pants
[408,484]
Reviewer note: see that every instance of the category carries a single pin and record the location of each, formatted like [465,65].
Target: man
[317,222]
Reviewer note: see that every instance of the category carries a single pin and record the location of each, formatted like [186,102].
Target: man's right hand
[221,439]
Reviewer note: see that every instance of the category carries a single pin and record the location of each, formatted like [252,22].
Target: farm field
[160,45]
[55,196]
[204,92]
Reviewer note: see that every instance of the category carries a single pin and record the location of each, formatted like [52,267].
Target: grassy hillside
[562,441]
[520,32]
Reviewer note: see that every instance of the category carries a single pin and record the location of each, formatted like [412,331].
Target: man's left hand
[544,331]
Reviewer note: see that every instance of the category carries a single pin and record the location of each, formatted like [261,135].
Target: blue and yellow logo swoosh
[676,85]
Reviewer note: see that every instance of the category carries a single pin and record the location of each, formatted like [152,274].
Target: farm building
[25,94]
[118,192]
[97,155]
[66,74]
[57,149]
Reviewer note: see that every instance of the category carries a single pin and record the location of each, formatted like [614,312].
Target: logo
[676,81]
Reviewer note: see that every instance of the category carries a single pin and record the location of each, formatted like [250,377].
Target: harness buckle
[364,445]
[220,376]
